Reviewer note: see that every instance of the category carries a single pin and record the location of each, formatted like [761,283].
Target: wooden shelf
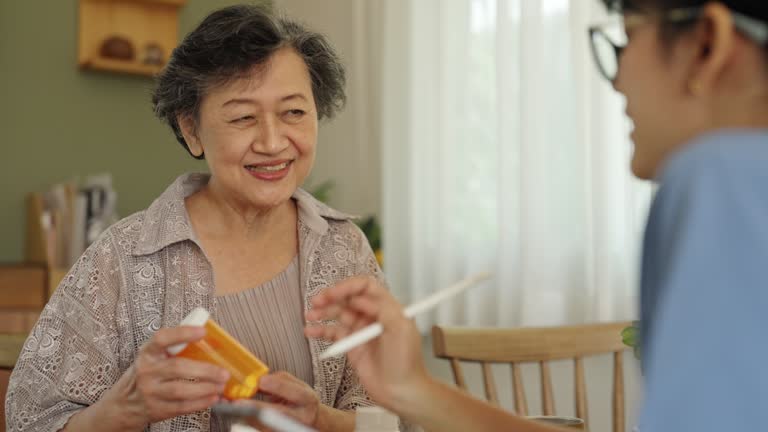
[177,3]
[141,23]
[119,66]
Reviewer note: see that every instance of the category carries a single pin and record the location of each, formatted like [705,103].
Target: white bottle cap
[375,419]
[196,318]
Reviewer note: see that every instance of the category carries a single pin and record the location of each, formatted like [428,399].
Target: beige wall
[348,150]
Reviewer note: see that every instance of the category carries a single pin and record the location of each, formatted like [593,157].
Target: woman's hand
[159,386]
[390,367]
[296,399]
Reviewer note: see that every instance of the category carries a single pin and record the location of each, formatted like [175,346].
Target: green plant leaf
[322,192]
[372,231]
[630,336]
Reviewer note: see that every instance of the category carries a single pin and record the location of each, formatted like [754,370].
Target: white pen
[364,335]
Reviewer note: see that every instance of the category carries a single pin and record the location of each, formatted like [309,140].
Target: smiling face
[258,133]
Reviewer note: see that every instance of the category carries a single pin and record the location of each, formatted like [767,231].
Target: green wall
[57,122]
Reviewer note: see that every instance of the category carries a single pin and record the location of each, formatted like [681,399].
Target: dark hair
[754,8]
[226,46]
[669,31]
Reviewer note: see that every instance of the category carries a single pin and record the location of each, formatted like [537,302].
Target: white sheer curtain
[503,150]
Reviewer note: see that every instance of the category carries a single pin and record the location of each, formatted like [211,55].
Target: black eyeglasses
[606,49]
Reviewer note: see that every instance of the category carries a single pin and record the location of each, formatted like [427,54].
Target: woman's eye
[296,113]
[243,119]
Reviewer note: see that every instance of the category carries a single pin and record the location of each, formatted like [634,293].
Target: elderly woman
[244,91]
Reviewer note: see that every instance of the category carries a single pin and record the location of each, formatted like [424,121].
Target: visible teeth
[270,168]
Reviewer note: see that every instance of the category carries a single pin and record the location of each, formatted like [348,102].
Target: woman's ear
[189,131]
[714,42]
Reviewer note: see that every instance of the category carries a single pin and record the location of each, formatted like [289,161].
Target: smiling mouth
[268,168]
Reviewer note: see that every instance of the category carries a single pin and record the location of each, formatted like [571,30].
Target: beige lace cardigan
[147,272]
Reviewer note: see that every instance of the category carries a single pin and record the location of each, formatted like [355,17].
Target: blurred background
[478,136]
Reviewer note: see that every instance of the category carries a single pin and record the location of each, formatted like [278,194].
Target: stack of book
[64,220]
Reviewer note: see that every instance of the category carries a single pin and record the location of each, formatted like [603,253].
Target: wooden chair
[535,345]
